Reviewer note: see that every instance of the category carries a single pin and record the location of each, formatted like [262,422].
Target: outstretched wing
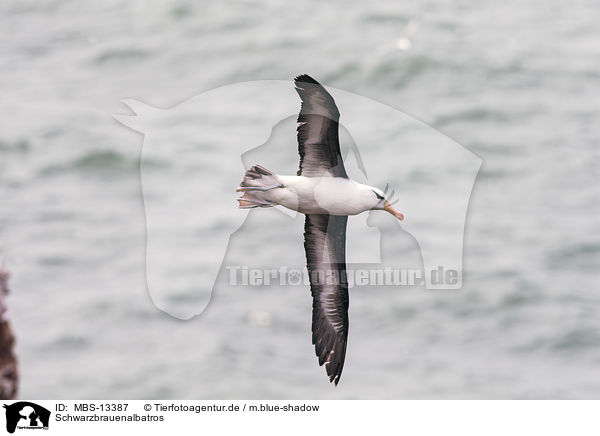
[325,246]
[318,131]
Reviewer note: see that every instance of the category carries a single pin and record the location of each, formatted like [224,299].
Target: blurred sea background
[515,83]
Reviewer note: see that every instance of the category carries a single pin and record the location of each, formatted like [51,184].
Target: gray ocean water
[515,83]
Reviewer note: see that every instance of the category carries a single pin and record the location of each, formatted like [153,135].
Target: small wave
[66,343]
[520,298]
[18,146]
[577,339]
[181,11]
[389,18]
[129,55]
[473,114]
[53,260]
[582,256]
[98,161]
[103,160]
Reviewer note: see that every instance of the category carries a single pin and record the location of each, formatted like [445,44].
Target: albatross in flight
[323,192]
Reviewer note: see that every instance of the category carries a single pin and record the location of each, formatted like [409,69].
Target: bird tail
[256,182]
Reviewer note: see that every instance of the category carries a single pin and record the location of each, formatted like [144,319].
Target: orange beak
[388,207]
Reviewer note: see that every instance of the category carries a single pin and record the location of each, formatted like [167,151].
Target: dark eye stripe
[378,196]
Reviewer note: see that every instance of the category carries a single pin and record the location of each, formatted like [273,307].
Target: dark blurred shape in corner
[9,374]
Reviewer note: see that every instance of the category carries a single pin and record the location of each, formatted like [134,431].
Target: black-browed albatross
[323,192]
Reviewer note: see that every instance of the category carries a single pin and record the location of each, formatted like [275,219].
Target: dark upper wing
[318,137]
[325,245]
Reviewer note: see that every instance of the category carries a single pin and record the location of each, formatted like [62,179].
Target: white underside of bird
[312,195]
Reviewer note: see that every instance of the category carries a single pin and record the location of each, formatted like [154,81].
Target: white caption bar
[301,417]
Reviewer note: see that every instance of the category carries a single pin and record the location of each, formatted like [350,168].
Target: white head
[376,199]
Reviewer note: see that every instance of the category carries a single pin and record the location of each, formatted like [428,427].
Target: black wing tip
[335,366]
[305,78]
[334,377]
